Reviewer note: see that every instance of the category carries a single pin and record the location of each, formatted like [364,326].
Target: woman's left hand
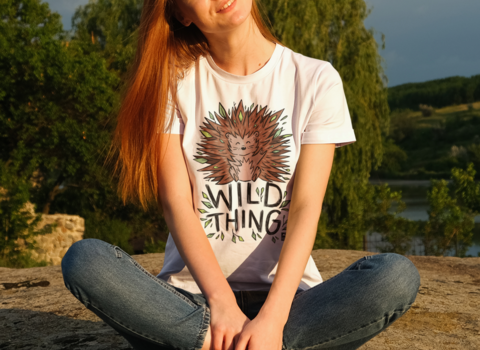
[262,333]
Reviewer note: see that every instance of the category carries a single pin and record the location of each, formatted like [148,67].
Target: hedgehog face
[242,146]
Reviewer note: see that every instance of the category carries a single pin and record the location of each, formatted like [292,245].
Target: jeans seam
[359,261]
[164,284]
[203,329]
[124,326]
[156,279]
[388,315]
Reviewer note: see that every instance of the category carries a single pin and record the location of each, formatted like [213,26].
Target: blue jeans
[342,313]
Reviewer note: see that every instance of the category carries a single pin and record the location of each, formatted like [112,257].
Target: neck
[242,51]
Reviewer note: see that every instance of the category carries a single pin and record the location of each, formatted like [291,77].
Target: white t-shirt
[242,140]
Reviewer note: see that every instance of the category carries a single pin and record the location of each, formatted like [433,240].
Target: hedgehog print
[245,144]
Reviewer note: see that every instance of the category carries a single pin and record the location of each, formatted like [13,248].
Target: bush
[402,126]
[18,221]
[426,110]
[153,246]
[112,231]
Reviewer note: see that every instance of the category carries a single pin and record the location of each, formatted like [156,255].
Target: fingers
[241,343]
[229,343]
[217,341]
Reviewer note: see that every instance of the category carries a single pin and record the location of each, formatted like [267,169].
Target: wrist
[221,298]
[274,314]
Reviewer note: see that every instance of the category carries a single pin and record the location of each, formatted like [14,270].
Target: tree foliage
[109,26]
[333,30]
[56,100]
[437,93]
[18,222]
[329,30]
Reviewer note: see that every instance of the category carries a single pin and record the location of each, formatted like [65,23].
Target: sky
[425,39]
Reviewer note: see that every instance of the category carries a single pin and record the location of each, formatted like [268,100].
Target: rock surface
[38,312]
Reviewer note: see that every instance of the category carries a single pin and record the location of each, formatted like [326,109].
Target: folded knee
[398,276]
[80,258]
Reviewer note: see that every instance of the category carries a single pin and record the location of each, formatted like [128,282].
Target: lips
[226,4]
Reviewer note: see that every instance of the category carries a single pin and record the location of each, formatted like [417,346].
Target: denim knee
[80,259]
[399,275]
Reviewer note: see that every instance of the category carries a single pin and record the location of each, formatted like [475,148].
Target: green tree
[109,26]
[325,29]
[56,101]
[466,189]
[334,30]
[450,226]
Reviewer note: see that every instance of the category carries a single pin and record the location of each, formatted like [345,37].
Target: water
[414,194]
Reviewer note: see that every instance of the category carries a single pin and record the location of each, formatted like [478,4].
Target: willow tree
[109,26]
[334,30]
[331,30]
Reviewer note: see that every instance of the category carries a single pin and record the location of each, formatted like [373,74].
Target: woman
[231,133]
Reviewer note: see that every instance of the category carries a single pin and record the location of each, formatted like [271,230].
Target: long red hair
[165,50]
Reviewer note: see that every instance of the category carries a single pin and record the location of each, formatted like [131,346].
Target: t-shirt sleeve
[178,125]
[329,121]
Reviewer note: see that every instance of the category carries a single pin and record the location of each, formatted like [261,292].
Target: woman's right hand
[226,323]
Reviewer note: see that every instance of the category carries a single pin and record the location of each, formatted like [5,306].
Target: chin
[234,19]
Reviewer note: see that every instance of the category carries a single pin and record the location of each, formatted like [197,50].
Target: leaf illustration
[273,118]
[286,178]
[203,211]
[284,204]
[217,237]
[285,194]
[208,223]
[204,195]
[199,152]
[276,151]
[252,105]
[240,238]
[240,116]
[229,111]
[206,133]
[211,116]
[222,110]
[202,219]
[223,236]
[258,193]
[263,189]
[221,141]
[201,160]
[284,118]
[210,235]
[208,205]
[287,135]
[284,209]
[254,236]
[274,240]
[234,240]
[279,131]
[288,170]
[258,235]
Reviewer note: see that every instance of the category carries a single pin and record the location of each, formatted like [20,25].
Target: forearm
[196,251]
[296,250]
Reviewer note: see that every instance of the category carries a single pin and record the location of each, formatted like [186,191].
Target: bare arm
[311,179]
[193,245]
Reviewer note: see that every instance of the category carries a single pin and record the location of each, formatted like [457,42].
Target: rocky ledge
[38,312]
